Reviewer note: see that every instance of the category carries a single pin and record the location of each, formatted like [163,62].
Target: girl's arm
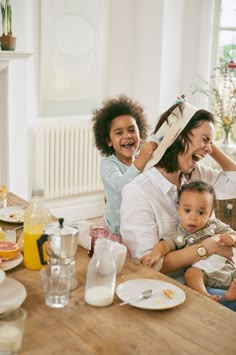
[224,161]
[184,257]
[115,174]
[145,154]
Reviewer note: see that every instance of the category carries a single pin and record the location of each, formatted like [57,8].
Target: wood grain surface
[198,326]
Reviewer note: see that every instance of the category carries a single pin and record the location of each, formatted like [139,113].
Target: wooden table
[198,326]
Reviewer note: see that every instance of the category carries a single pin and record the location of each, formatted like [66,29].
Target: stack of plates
[12,293]
[10,264]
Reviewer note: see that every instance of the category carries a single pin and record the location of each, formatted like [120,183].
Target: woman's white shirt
[148,208]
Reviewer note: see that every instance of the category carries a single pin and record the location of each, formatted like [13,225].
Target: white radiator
[67,163]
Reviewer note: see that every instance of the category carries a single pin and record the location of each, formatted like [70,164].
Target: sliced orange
[8,250]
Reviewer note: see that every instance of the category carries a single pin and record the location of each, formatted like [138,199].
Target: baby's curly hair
[112,108]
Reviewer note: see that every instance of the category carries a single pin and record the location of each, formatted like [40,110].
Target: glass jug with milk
[101,275]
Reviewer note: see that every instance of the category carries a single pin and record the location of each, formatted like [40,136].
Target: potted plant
[8,42]
[221,93]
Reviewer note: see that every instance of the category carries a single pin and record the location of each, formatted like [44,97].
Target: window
[227,33]
[226,72]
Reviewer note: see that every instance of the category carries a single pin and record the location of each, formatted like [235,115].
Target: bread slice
[168,293]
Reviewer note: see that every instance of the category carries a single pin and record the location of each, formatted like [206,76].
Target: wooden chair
[226,212]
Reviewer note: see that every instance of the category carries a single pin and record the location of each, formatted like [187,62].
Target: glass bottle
[101,275]
[35,219]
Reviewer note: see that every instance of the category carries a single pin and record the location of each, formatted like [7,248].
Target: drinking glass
[11,331]
[56,283]
[3,196]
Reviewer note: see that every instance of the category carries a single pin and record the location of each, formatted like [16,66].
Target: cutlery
[143,296]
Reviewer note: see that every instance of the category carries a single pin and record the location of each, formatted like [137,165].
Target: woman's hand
[216,247]
[224,161]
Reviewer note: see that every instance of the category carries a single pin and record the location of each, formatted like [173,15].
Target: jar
[101,275]
[95,233]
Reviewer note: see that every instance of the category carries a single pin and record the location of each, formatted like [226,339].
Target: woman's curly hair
[112,108]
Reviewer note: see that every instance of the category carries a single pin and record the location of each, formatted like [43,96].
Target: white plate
[12,295]
[6,214]
[2,276]
[10,264]
[133,288]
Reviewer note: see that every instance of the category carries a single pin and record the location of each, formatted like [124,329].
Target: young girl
[119,126]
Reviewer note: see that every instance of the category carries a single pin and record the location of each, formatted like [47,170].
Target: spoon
[143,296]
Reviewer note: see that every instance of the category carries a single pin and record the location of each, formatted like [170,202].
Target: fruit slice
[8,250]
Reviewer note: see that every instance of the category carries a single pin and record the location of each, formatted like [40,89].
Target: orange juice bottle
[35,219]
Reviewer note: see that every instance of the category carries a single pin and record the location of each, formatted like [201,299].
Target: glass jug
[101,275]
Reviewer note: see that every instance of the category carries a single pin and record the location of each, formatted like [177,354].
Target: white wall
[159,49]
[135,51]
[197,46]
[172,52]
[156,50]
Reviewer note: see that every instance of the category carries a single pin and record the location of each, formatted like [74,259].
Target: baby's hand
[227,239]
[150,259]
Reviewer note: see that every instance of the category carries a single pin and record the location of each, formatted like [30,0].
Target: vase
[228,145]
[226,141]
[8,42]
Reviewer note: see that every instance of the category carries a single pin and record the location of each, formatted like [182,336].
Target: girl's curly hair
[112,108]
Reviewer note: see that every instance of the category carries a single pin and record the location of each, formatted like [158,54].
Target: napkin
[212,263]
[84,229]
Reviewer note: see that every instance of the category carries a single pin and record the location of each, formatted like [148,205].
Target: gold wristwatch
[201,250]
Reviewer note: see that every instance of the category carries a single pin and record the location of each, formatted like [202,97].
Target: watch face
[202,251]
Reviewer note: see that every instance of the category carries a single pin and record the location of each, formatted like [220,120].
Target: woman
[148,210]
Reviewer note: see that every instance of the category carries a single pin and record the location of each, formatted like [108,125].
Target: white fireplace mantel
[7,56]
[14,120]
